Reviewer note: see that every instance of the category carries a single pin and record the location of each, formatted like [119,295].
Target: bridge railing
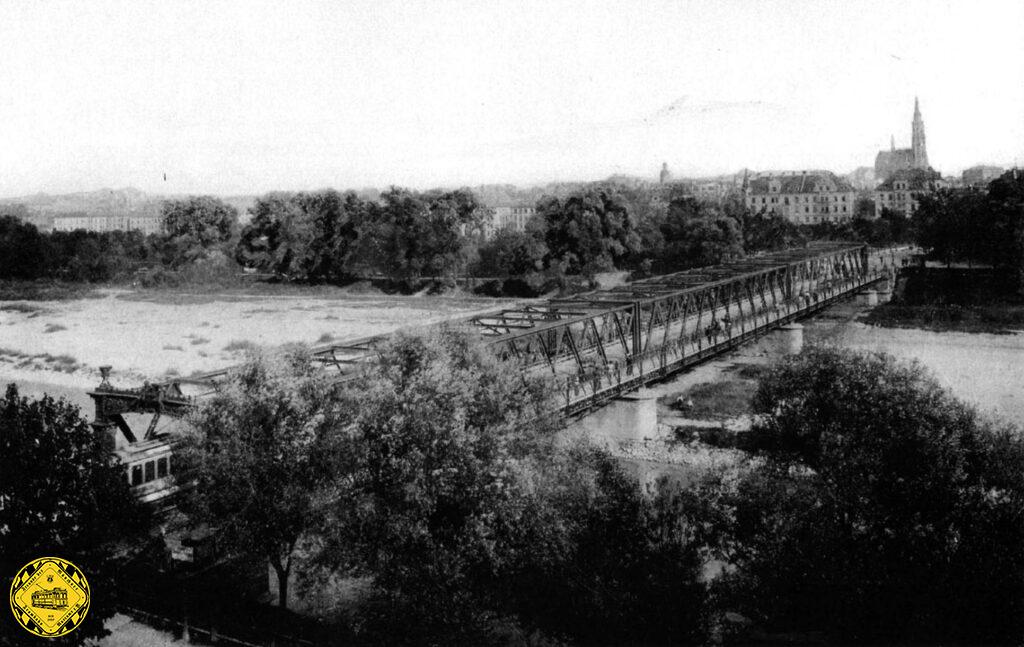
[599,383]
[604,341]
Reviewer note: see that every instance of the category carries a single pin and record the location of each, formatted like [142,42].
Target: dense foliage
[414,235]
[449,489]
[256,456]
[22,250]
[192,227]
[697,233]
[587,232]
[411,237]
[330,237]
[62,493]
[305,236]
[885,510]
[196,230]
[976,226]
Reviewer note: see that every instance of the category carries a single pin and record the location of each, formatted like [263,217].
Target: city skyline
[242,98]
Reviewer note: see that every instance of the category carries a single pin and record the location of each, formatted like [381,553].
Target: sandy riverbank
[155,335]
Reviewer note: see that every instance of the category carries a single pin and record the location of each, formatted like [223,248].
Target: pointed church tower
[917,142]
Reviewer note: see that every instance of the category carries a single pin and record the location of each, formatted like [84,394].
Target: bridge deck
[605,342]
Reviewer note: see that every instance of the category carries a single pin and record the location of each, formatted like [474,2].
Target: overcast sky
[243,97]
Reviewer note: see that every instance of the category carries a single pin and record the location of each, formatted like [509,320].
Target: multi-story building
[802,197]
[144,223]
[508,216]
[900,192]
[980,176]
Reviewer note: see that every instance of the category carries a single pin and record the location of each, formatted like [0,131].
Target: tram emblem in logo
[50,597]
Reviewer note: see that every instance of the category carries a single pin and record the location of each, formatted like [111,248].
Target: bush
[454,496]
[886,510]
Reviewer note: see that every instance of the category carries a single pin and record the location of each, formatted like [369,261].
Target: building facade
[146,224]
[802,197]
[901,159]
[507,216]
[901,191]
[980,176]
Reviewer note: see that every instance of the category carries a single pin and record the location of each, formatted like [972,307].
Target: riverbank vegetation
[979,300]
[410,241]
[872,507]
[982,227]
[867,506]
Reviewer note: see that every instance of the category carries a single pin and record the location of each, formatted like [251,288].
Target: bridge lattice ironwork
[604,343]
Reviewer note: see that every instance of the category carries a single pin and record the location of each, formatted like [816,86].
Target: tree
[764,232]
[864,207]
[414,235]
[419,235]
[453,495]
[94,256]
[62,493]
[886,510]
[608,565]
[649,206]
[23,253]
[193,226]
[443,439]
[697,234]
[511,253]
[1006,203]
[589,231]
[304,236]
[256,456]
[955,225]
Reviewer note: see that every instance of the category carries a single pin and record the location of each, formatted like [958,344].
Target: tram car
[55,598]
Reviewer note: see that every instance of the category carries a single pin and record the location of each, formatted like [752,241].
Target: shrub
[885,511]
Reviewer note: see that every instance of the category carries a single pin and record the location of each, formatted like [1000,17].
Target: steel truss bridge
[601,344]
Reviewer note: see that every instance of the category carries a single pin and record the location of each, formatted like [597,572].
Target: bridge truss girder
[603,343]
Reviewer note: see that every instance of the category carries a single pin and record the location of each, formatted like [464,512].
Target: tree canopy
[22,250]
[697,233]
[511,253]
[976,226]
[886,510]
[194,225]
[414,235]
[454,495]
[256,455]
[304,236]
[62,493]
[589,231]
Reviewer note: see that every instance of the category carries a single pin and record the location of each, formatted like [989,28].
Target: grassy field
[44,291]
[725,398]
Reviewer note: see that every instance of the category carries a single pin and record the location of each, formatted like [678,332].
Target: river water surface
[983,369]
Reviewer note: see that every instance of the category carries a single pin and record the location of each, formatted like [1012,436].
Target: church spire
[918,147]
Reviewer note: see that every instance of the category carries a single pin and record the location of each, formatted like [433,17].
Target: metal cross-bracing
[604,343]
